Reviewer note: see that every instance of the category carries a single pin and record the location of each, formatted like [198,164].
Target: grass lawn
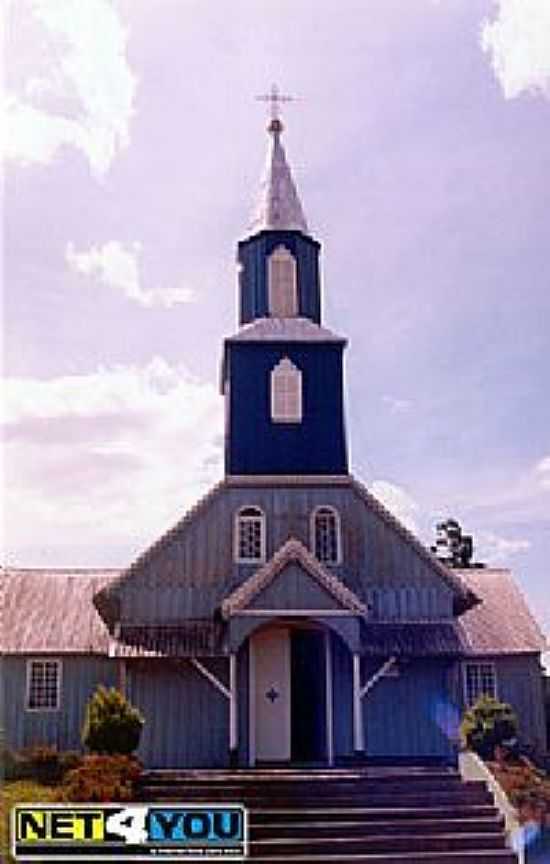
[18,792]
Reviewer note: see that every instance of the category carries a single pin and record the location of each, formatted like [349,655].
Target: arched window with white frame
[286,392]
[250,536]
[326,539]
[282,284]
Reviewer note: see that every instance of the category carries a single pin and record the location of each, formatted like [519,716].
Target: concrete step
[484,856]
[391,827]
[365,814]
[264,799]
[375,844]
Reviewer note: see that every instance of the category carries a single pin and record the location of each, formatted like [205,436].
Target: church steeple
[279,260]
[278,207]
[282,373]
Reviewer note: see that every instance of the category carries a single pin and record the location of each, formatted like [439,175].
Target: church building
[288,617]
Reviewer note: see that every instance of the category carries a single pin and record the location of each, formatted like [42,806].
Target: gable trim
[292,550]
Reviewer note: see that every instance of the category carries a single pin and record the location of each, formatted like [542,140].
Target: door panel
[308,696]
[271,665]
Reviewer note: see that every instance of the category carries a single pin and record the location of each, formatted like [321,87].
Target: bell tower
[282,374]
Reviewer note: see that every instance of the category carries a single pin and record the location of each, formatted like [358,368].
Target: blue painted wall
[61,729]
[252,256]
[256,445]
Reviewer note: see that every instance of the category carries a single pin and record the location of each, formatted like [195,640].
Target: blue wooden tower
[282,373]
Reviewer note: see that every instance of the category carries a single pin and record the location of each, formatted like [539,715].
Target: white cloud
[398,502]
[81,90]
[118,266]
[397,406]
[518,41]
[542,469]
[111,457]
[493,549]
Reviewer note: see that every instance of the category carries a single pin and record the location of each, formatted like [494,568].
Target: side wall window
[479,680]
[282,282]
[43,685]
[286,392]
[250,535]
[326,535]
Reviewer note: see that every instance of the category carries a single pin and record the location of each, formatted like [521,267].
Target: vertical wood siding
[186,717]
[61,729]
[191,573]
[411,715]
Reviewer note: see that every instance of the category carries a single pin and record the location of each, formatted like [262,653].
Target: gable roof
[465,596]
[502,623]
[291,551]
[51,611]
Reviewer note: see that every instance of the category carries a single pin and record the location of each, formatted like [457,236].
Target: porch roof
[291,551]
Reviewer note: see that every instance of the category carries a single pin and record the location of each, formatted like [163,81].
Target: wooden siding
[186,717]
[519,682]
[193,570]
[80,677]
[257,445]
[410,715]
[294,588]
[253,254]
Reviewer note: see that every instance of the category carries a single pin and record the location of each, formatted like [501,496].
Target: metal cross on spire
[275,100]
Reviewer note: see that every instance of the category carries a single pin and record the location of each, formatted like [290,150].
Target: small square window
[479,680]
[43,685]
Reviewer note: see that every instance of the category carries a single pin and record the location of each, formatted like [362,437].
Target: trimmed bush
[111,725]
[488,724]
[102,778]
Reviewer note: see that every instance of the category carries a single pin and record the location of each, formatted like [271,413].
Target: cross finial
[275,100]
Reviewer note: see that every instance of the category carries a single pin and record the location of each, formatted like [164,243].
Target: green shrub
[102,778]
[112,724]
[488,724]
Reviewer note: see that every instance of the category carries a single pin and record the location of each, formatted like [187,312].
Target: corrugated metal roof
[415,639]
[52,611]
[502,623]
[284,330]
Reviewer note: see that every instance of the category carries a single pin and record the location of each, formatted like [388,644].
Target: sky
[419,141]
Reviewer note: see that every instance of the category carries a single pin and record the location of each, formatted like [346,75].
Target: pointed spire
[278,206]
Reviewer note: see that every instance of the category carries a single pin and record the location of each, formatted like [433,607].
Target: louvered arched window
[250,535]
[283,292]
[326,536]
[286,392]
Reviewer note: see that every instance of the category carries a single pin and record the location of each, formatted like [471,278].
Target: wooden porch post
[122,676]
[233,713]
[358,737]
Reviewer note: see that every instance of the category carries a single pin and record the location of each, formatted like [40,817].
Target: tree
[111,724]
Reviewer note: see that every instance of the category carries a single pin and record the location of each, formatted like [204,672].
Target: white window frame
[313,533]
[489,664]
[291,376]
[59,674]
[237,534]
[282,297]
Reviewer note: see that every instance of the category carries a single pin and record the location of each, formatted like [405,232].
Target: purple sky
[420,146]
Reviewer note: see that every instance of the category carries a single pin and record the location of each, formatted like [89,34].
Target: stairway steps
[365,829]
[375,844]
[364,814]
[263,800]
[484,856]
[387,815]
